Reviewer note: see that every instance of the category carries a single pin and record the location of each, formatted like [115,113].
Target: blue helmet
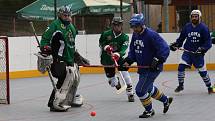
[137,20]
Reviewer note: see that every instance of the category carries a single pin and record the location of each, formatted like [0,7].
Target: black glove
[200,51]
[47,50]
[174,46]
[213,40]
[81,61]
[128,60]
[155,63]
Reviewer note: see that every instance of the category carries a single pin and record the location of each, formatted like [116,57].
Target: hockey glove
[200,51]
[115,56]
[108,49]
[155,63]
[46,50]
[81,61]
[174,46]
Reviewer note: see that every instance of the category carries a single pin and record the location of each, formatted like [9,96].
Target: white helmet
[196,12]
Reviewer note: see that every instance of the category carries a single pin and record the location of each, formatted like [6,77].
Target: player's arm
[124,46]
[45,46]
[161,46]
[207,40]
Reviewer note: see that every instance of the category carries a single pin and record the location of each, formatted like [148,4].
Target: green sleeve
[101,41]
[124,46]
[47,35]
[213,35]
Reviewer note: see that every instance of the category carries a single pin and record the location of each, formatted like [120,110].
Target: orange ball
[93,113]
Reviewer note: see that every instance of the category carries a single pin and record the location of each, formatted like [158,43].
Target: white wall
[22,49]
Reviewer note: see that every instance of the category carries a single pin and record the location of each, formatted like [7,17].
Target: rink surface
[29,101]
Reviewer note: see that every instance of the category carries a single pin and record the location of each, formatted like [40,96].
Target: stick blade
[122,89]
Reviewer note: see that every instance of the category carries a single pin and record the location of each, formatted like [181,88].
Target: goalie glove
[81,61]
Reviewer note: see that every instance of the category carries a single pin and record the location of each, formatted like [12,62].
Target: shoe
[52,109]
[179,89]
[166,106]
[118,86]
[147,114]
[210,90]
[131,98]
[78,101]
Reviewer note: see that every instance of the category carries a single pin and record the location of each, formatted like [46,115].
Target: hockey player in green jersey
[113,44]
[59,41]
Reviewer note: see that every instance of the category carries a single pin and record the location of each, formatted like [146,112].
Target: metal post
[55,9]
[166,15]
[121,8]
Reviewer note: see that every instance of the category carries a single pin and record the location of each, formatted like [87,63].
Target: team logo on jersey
[63,26]
[70,37]
[109,37]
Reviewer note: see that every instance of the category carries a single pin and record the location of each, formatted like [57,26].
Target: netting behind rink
[4,71]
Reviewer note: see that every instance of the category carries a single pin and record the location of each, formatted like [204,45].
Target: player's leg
[111,77]
[144,86]
[58,70]
[199,63]
[73,99]
[185,62]
[127,77]
[158,95]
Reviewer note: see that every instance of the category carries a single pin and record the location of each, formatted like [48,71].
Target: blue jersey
[196,37]
[147,45]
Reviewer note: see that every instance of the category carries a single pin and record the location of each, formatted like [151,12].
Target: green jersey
[119,43]
[66,53]
[213,35]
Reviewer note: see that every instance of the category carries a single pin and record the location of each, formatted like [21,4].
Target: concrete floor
[29,99]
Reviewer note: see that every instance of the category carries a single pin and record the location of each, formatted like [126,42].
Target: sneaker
[147,114]
[210,90]
[131,98]
[179,89]
[166,106]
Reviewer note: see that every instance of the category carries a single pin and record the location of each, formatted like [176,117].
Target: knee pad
[182,67]
[112,81]
[202,71]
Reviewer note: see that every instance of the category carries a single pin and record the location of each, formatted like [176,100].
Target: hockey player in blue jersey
[198,42]
[148,50]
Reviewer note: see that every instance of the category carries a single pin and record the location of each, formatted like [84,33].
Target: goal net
[4,71]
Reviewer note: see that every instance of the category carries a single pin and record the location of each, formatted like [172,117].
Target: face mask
[65,22]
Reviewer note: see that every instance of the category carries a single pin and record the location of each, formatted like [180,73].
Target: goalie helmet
[137,20]
[65,10]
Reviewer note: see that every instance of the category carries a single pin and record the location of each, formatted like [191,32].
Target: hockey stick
[124,86]
[182,49]
[35,35]
[97,66]
[48,68]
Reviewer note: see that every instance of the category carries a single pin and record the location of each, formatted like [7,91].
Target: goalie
[59,41]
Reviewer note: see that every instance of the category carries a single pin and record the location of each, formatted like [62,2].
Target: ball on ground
[93,113]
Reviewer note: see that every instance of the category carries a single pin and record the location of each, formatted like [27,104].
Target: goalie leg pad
[62,93]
